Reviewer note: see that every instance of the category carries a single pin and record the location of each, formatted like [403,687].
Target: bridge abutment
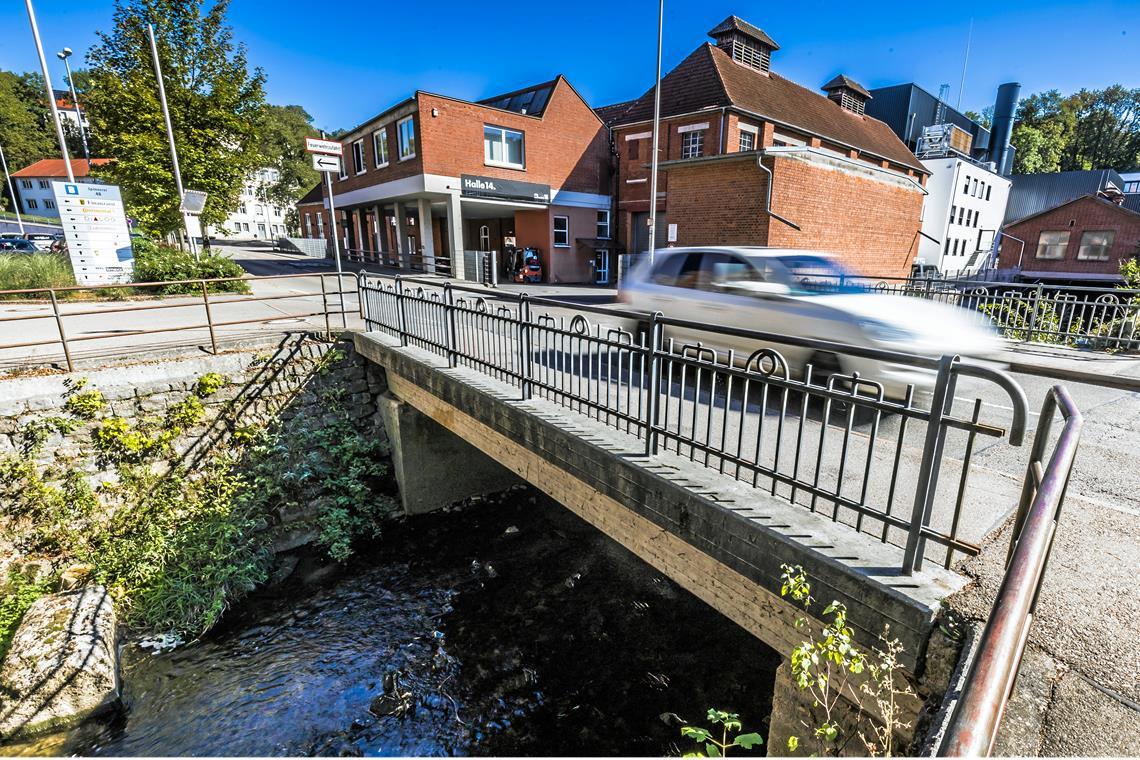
[435,467]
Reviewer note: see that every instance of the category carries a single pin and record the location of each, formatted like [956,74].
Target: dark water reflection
[503,628]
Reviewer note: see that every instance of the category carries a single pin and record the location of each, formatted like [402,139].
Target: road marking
[966,400]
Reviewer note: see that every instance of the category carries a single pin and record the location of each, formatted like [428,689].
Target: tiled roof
[313,196]
[737,24]
[53,167]
[709,78]
[848,82]
[609,114]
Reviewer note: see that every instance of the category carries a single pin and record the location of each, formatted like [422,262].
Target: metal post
[653,404]
[65,55]
[62,334]
[336,239]
[451,337]
[325,306]
[656,131]
[209,317]
[170,136]
[50,92]
[931,460]
[525,352]
[402,321]
[1037,294]
[12,191]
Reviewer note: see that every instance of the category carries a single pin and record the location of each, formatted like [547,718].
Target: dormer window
[746,44]
[849,94]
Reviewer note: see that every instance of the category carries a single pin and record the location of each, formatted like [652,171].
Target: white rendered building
[255,218]
[963,214]
[33,183]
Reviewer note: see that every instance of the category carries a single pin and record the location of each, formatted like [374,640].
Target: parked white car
[798,293]
[41,240]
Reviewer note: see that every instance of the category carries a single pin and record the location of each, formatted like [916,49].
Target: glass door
[601,267]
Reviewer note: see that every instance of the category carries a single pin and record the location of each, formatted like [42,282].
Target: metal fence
[413,262]
[977,715]
[837,444]
[1081,316]
[42,317]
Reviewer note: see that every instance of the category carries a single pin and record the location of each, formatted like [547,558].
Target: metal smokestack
[1005,108]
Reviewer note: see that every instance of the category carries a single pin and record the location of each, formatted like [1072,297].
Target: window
[947,251]
[33,203]
[380,146]
[604,225]
[953,210]
[974,191]
[484,238]
[1132,187]
[991,187]
[308,224]
[969,217]
[503,147]
[562,231]
[49,203]
[358,157]
[26,184]
[747,141]
[966,187]
[44,184]
[1052,245]
[342,173]
[406,138]
[321,226]
[961,214]
[634,149]
[1095,245]
[693,144]
[241,208]
[976,215]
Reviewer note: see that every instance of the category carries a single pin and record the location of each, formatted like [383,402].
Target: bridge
[717,468]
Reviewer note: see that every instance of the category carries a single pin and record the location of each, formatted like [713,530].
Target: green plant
[707,743]
[85,405]
[21,271]
[1016,320]
[162,263]
[19,593]
[209,384]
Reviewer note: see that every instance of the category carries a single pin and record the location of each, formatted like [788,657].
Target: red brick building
[434,176]
[1085,239]
[312,214]
[749,157]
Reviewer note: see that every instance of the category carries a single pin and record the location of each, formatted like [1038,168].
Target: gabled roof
[316,195]
[609,114]
[737,24]
[845,81]
[1095,199]
[529,100]
[709,79]
[54,167]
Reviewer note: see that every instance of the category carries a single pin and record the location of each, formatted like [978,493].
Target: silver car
[799,293]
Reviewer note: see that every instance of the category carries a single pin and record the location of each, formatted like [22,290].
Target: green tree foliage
[215,102]
[25,122]
[1090,129]
[283,132]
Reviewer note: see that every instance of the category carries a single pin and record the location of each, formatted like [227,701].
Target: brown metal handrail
[202,300]
[977,716]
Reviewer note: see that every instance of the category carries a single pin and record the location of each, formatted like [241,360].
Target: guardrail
[414,262]
[208,299]
[977,715]
[1088,317]
[781,419]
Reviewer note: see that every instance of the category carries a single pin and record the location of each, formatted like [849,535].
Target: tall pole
[65,54]
[656,131]
[50,92]
[12,191]
[170,136]
[965,60]
[336,241]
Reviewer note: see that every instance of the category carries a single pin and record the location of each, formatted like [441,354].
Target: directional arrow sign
[326,163]
[331,147]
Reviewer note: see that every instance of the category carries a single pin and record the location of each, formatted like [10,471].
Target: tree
[1090,129]
[283,131]
[25,122]
[985,118]
[215,103]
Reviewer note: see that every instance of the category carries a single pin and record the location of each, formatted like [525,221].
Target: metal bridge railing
[977,715]
[841,445]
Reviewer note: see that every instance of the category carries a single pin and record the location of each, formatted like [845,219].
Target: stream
[507,626]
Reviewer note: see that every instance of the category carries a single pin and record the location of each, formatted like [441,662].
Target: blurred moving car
[17,245]
[801,294]
[41,240]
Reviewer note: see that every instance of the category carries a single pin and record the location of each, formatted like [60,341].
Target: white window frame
[400,145]
[359,165]
[1083,256]
[380,146]
[605,224]
[1043,247]
[26,184]
[487,161]
[751,137]
[33,204]
[693,143]
[566,232]
[320,225]
[342,172]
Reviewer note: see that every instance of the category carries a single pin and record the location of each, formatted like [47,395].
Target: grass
[19,271]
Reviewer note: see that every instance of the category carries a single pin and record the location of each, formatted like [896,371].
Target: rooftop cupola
[746,44]
[847,93]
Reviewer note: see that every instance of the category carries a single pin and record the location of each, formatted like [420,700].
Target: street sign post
[193,201]
[95,227]
[330,147]
[326,163]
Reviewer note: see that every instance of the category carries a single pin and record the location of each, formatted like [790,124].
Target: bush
[155,262]
[19,271]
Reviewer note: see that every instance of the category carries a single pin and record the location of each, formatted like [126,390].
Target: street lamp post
[12,191]
[50,93]
[656,130]
[63,55]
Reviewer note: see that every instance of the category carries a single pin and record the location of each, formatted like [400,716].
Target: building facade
[255,218]
[1082,240]
[748,157]
[435,176]
[33,183]
[963,216]
[1033,193]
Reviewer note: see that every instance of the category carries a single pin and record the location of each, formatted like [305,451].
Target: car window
[665,269]
[690,274]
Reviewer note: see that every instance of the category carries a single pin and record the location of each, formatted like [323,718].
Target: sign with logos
[325,163]
[329,147]
[95,228]
[503,189]
[193,201]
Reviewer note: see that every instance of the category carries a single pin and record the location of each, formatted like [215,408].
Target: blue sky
[376,54]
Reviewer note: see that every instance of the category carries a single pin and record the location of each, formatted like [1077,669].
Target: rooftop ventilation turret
[746,44]
[847,93]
